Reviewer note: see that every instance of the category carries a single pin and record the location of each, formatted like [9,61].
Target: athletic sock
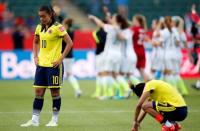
[37,107]
[134,80]
[98,88]
[170,79]
[168,124]
[105,85]
[73,81]
[124,87]
[56,108]
[181,85]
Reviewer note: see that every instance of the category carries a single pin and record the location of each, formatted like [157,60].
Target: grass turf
[84,114]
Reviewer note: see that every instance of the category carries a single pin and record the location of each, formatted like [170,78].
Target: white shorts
[112,62]
[157,60]
[100,63]
[170,62]
[68,64]
[128,65]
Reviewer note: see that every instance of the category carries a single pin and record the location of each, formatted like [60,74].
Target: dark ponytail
[122,21]
[49,10]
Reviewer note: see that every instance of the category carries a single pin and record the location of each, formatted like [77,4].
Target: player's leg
[40,85]
[152,108]
[179,81]
[55,80]
[56,104]
[99,77]
[68,63]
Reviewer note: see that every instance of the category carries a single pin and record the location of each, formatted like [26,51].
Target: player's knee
[146,106]
[39,92]
[55,92]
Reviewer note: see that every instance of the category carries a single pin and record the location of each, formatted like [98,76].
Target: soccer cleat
[177,126]
[171,128]
[30,123]
[78,94]
[52,123]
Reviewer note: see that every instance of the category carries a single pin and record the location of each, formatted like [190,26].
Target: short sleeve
[149,86]
[61,31]
[128,34]
[38,29]
[107,27]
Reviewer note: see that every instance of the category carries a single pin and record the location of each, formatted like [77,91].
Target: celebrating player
[162,101]
[48,43]
[68,61]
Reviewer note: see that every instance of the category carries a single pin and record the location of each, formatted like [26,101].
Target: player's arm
[36,48]
[97,21]
[68,47]
[141,101]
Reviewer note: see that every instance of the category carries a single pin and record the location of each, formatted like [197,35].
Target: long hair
[122,21]
[168,23]
[49,10]
[142,21]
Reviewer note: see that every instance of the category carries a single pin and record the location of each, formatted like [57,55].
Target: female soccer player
[171,40]
[158,51]
[112,50]
[162,101]
[47,46]
[179,26]
[139,28]
[68,61]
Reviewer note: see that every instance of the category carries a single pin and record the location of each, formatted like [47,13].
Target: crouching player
[162,101]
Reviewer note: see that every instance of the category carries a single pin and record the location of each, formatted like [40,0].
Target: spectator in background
[18,37]
[59,15]
[2,9]
[7,18]
[123,7]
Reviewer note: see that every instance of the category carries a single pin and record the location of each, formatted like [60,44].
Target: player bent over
[162,101]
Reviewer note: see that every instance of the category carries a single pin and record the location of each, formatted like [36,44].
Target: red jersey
[139,35]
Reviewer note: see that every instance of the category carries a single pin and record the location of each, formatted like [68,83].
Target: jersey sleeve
[61,31]
[38,29]
[149,87]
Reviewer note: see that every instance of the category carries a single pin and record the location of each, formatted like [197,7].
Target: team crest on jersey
[62,28]
[49,31]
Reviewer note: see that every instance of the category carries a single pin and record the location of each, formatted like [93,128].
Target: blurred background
[18,19]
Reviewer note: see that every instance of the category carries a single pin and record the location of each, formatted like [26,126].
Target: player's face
[135,22]
[45,18]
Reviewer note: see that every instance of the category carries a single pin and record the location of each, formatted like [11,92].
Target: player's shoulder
[39,25]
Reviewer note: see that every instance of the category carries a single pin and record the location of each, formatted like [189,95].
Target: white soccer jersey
[157,58]
[169,40]
[112,50]
[129,59]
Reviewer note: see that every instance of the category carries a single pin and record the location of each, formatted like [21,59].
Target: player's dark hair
[49,10]
[122,21]
[138,89]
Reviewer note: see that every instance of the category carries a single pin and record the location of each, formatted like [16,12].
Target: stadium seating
[150,8]
[26,8]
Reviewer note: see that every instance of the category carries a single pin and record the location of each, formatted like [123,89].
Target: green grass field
[84,114]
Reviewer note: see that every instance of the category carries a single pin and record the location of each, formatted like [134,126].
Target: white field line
[82,111]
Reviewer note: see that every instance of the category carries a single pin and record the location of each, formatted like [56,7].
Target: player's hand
[91,17]
[36,60]
[58,62]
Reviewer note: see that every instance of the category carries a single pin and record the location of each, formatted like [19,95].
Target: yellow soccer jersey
[50,44]
[164,92]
